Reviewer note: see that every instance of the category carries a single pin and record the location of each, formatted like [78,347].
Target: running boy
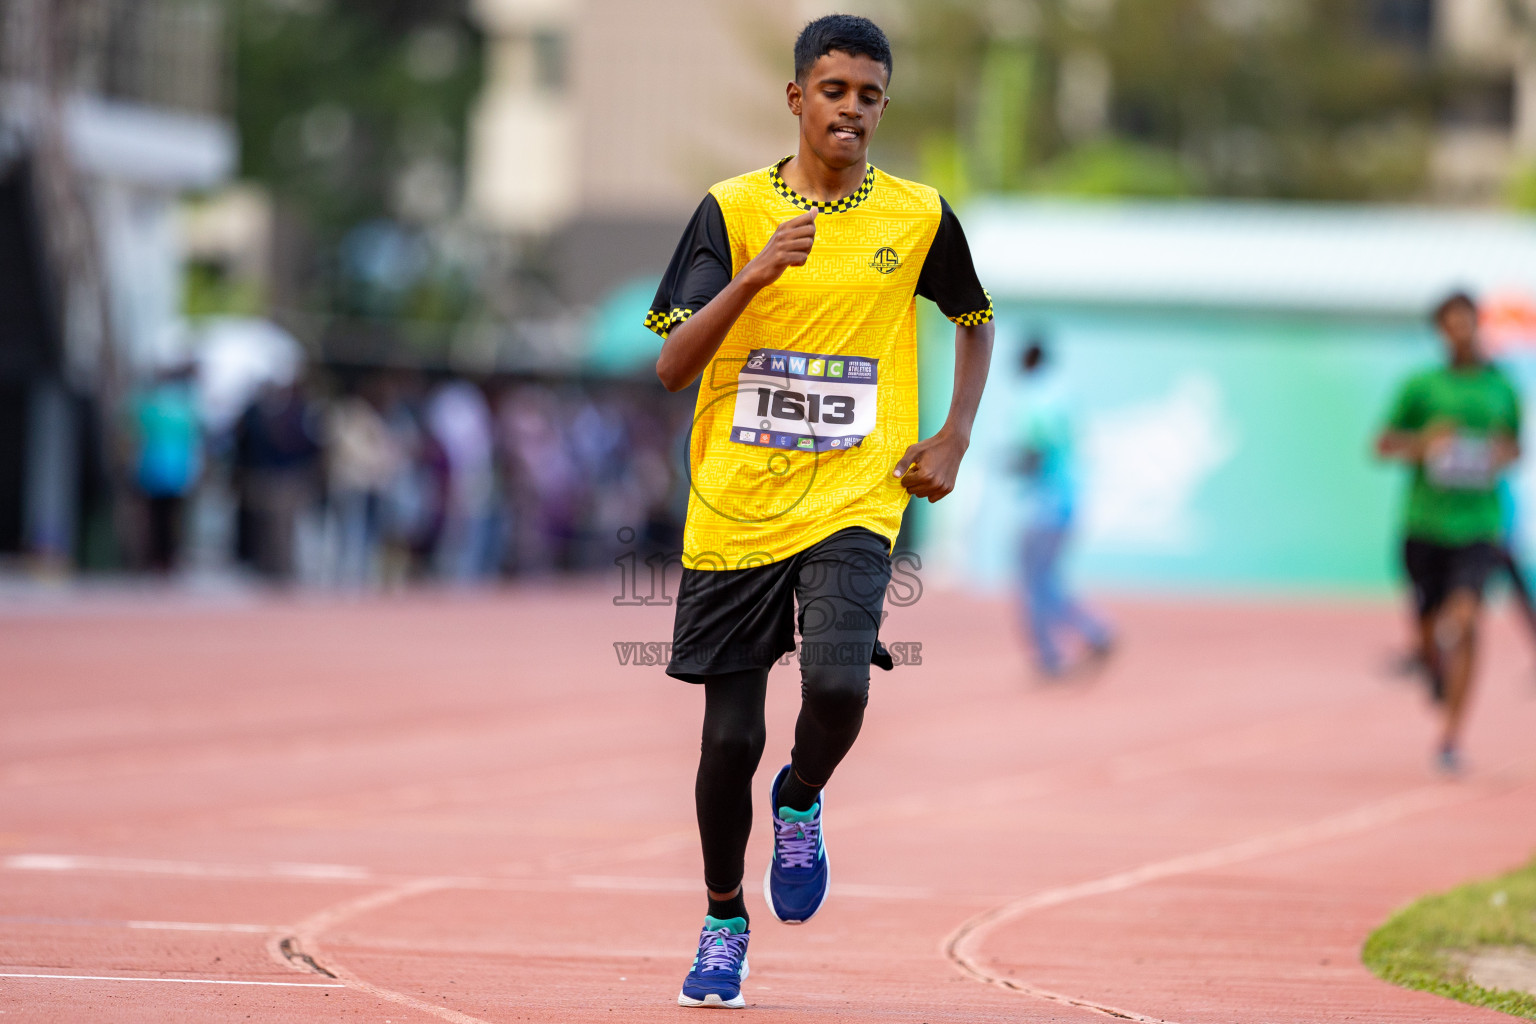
[792,294]
[1458,427]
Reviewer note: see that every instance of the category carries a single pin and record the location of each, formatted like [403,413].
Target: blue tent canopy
[618,342]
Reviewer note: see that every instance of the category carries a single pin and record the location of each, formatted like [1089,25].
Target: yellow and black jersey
[812,398]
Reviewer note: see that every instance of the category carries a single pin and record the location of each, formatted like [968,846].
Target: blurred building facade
[110,111]
[1491,126]
[603,122]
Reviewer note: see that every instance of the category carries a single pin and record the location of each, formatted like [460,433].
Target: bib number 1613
[793,406]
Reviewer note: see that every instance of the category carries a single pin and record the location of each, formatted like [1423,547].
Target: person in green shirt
[1458,428]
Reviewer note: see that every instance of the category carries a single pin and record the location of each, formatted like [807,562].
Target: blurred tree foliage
[352,114]
[1314,99]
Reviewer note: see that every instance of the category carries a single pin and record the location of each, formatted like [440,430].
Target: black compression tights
[831,712]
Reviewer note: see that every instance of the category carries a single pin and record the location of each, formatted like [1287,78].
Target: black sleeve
[700,269]
[949,277]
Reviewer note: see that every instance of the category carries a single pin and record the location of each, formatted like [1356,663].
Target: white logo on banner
[1146,463]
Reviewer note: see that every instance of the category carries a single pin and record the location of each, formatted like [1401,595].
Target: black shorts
[1438,570]
[730,620]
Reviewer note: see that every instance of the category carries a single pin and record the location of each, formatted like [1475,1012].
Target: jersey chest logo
[886,261]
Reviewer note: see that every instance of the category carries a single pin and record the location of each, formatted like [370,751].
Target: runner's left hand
[1506,452]
[928,468]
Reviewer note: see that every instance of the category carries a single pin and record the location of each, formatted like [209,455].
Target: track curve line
[962,946]
[300,947]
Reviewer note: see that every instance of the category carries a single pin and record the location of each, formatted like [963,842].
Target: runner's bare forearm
[1412,446]
[929,468]
[973,357]
[1399,444]
[693,343]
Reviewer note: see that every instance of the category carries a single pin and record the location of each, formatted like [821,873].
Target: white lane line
[961,947]
[644,849]
[856,890]
[305,944]
[881,892]
[199,926]
[187,869]
[179,981]
[1158,760]
[163,926]
[618,883]
[344,873]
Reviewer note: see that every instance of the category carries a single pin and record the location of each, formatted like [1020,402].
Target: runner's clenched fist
[790,246]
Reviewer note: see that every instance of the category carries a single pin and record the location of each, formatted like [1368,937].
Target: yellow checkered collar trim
[836,206]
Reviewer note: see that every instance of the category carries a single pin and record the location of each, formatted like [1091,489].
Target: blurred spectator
[1509,554]
[460,422]
[590,474]
[437,482]
[363,459]
[545,482]
[277,453]
[417,495]
[655,483]
[1045,438]
[166,459]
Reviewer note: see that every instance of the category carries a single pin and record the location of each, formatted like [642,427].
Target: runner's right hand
[1434,439]
[790,246]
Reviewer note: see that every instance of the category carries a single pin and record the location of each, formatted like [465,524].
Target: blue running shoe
[720,967]
[796,885]
[1449,762]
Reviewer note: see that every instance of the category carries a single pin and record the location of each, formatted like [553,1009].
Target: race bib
[1463,464]
[805,402]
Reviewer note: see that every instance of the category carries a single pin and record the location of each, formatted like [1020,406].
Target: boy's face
[1458,326]
[839,105]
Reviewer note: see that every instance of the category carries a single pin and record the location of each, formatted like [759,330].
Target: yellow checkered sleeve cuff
[662,323]
[976,318]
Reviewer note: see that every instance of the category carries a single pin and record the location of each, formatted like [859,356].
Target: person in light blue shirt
[167,459]
[1043,435]
[1509,554]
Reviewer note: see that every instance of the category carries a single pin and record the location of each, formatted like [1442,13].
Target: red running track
[464,809]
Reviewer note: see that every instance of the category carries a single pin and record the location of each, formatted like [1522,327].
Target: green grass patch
[1417,947]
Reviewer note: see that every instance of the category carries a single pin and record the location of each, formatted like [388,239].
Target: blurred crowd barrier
[377,479]
[1230,364]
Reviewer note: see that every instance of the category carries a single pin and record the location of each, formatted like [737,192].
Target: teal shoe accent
[790,814]
[737,925]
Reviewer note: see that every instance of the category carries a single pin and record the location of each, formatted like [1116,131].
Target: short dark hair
[1452,301]
[1035,354]
[848,33]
